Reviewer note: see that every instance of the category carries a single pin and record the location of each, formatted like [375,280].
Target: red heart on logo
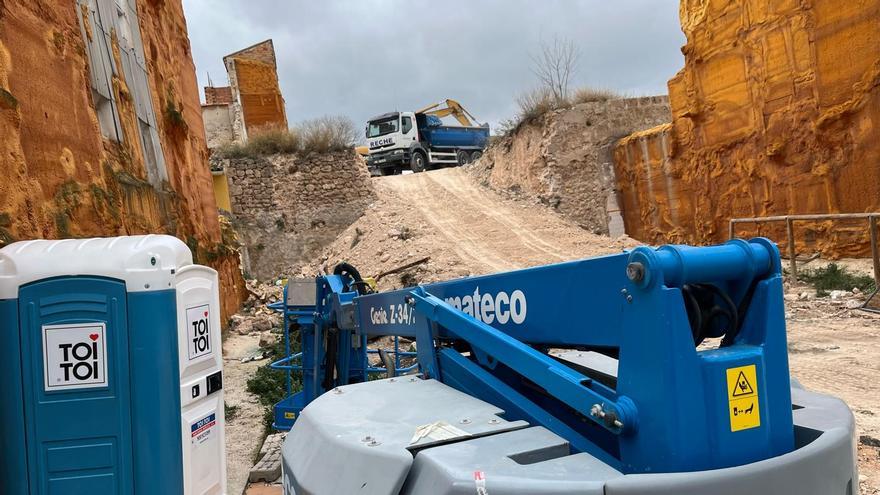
[206,314]
[94,337]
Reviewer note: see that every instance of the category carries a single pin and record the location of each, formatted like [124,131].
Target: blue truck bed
[455,136]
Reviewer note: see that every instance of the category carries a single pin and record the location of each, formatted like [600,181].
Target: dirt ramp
[463,228]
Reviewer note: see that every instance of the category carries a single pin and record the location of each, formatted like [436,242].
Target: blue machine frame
[670,407]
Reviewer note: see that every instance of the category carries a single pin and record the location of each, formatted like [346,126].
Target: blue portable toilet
[111,369]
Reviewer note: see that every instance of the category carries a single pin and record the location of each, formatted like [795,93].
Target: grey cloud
[361,58]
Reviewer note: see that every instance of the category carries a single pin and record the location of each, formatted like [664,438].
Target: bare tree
[554,65]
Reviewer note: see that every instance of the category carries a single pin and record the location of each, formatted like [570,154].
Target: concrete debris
[853,304]
[839,294]
[264,293]
[255,316]
[268,339]
[268,468]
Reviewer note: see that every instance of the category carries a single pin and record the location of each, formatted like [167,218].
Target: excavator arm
[453,108]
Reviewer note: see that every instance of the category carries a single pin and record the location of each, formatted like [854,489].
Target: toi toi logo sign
[199,331]
[75,356]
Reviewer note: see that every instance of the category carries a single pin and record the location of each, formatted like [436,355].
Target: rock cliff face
[565,159]
[777,111]
[60,177]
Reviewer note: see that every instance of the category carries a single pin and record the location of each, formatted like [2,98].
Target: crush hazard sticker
[198,326]
[74,356]
[742,398]
[201,430]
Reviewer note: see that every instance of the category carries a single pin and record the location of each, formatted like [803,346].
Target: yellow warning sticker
[289,415]
[742,398]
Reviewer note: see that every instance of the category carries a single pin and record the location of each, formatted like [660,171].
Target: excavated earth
[465,229]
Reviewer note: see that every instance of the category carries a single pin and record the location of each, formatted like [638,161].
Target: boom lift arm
[665,404]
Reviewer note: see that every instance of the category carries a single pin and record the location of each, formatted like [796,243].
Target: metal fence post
[875,250]
[792,255]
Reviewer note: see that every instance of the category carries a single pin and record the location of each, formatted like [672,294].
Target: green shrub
[230,412]
[264,142]
[532,106]
[269,385]
[327,133]
[321,135]
[272,141]
[836,277]
[536,103]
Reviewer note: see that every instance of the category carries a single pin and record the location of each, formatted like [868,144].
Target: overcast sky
[366,57]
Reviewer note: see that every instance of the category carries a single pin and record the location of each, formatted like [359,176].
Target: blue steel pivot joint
[632,367]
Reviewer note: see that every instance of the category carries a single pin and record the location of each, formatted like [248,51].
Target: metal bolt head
[494,421]
[337,390]
[153,261]
[465,421]
[629,298]
[373,443]
[635,271]
[367,439]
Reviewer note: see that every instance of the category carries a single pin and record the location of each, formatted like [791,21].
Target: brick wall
[218,96]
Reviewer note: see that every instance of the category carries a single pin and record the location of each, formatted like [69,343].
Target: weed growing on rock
[7,100]
[5,235]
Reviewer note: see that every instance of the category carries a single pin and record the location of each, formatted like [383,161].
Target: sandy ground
[244,433]
[835,350]
[466,229]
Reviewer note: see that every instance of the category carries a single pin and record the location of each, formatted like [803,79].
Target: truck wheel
[463,157]
[476,155]
[418,162]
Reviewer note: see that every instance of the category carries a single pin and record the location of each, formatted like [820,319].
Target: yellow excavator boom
[453,108]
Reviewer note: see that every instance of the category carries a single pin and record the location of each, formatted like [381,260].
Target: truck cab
[420,141]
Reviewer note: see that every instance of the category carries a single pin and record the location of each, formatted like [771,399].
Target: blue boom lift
[653,371]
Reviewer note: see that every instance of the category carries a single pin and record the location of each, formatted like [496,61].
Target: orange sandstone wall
[60,178]
[777,111]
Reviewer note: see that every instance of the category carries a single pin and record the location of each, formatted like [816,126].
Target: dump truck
[420,141]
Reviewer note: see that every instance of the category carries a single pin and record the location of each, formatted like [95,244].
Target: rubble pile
[255,316]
